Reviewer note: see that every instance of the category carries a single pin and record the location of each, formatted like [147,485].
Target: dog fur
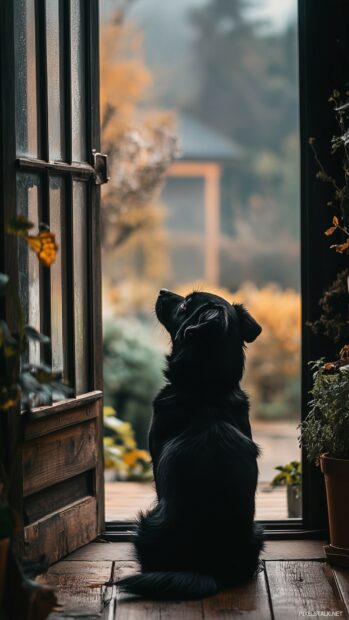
[200,536]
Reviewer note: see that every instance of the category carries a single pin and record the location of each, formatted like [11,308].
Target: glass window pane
[56,213]
[78,86]
[25,67]
[54,80]
[80,254]
[29,267]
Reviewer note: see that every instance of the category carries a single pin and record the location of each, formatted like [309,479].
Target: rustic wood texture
[58,496]
[129,608]
[38,425]
[113,552]
[60,455]
[293,550]
[274,550]
[80,587]
[297,587]
[341,576]
[62,532]
[283,590]
[249,601]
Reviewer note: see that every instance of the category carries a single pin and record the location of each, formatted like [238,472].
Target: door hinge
[100,164]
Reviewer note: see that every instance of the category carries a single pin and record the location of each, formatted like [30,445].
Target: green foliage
[289,475]
[121,452]
[326,427]
[132,372]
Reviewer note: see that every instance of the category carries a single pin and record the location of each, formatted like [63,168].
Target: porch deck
[123,500]
[295,581]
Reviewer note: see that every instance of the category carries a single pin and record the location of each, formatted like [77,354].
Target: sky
[279,12]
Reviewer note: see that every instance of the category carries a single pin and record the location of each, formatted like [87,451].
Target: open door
[51,173]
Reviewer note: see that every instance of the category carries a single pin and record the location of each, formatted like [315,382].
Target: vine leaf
[44,245]
[330,231]
[33,334]
[340,247]
[19,226]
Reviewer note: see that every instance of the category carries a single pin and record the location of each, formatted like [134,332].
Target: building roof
[200,142]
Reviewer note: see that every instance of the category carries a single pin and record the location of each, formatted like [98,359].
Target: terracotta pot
[4,547]
[336,472]
[294,501]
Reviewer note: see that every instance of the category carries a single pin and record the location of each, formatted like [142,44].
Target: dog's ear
[210,321]
[249,326]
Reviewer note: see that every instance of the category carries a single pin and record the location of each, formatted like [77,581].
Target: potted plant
[290,476]
[325,438]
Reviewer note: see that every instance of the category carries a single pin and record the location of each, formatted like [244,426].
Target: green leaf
[19,226]
[7,341]
[4,279]
[33,334]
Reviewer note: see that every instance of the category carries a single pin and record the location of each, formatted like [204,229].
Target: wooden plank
[58,496]
[300,587]
[36,427]
[79,587]
[97,552]
[130,608]
[64,405]
[250,601]
[275,550]
[58,456]
[63,531]
[99,473]
[293,550]
[341,576]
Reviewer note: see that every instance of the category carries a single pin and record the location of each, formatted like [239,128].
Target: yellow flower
[109,410]
[131,457]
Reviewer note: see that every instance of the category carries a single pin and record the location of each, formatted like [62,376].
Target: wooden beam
[62,532]
[60,455]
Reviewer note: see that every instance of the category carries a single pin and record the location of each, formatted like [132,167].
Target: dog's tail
[170,585]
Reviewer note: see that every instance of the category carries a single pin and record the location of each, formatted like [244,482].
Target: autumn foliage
[140,144]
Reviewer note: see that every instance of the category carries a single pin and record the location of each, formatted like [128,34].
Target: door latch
[100,164]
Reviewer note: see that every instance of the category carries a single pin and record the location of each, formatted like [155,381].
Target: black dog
[201,536]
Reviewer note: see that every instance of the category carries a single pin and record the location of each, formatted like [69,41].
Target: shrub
[121,452]
[132,372]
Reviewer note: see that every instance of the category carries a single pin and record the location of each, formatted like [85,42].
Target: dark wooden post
[324,66]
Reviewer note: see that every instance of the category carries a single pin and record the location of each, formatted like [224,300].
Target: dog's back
[201,535]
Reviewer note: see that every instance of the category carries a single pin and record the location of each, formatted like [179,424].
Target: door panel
[55,97]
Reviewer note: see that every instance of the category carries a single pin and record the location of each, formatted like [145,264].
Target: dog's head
[207,330]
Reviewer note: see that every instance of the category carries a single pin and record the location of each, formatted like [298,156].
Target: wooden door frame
[323,67]
[323,29]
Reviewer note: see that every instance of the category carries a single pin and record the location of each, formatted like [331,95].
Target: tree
[140,145]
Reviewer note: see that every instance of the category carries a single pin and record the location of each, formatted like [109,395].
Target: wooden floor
[295,582]
[123,500]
